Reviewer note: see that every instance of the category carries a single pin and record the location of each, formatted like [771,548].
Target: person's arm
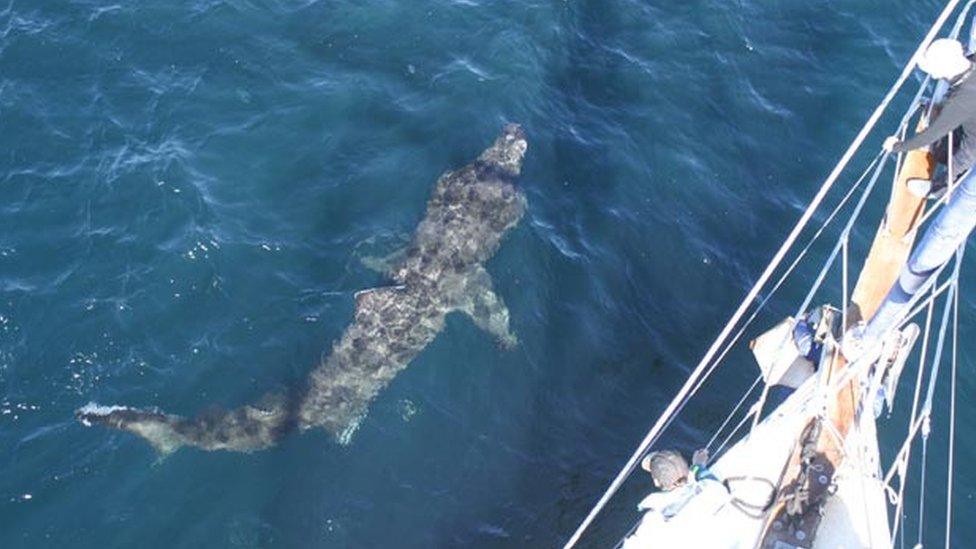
[954,113]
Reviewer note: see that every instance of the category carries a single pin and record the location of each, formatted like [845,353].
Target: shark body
[441,271]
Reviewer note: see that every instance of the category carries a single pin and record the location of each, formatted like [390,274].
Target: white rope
[901,465]
[955,322]
[961,20]
[803,253]
[796,261]
[952,302]
[830,261]
[921,491]
[940,343]
[930,393]
[882,157]
[855,214]
[731,434]
[904,451]
[918,382]
[950,181]
[685,391]
[841,244]
[735,410]
[952,412]
[938,290]
[915,425]
[843,291]
[860,366]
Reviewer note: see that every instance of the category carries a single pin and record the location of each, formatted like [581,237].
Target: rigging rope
[883,157]
[735,410]
[940,342]
[745,418]
[922,303]
[951,301]
[930,392]
[845,234]
[860,366]
[914,426]
[952,411]
[686,390]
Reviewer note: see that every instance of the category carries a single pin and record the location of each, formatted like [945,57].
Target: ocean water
[189,189]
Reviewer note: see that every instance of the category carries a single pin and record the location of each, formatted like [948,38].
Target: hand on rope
[890,143]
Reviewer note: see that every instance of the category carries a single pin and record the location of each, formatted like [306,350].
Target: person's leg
[963,158]
[942,237]
[940,150]
[935,188]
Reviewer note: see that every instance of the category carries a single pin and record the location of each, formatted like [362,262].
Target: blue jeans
[948,231]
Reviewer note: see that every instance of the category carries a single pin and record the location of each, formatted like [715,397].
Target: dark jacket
[958,111]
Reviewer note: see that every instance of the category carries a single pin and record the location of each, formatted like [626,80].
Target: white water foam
[97,410]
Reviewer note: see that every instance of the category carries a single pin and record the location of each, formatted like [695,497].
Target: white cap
[944,58]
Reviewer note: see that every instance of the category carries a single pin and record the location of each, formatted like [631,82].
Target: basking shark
[441,271]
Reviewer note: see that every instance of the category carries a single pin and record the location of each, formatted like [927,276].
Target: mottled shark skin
[441,271]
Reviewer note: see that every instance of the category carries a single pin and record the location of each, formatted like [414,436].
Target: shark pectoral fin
[385,265]
[486,309]
[383,253]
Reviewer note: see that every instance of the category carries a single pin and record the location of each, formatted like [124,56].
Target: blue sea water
[189,189]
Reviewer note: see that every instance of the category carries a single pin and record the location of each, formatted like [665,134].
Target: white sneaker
[919,187]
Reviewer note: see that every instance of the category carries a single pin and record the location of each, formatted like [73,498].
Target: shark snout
[514,132]
[509,150]
[515,143]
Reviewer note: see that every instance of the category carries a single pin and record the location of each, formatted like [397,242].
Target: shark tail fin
[244,429]
[157,428]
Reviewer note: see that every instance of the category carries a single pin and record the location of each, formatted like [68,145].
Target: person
[945,59]
[679,484]
[805,336]
[668,469]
